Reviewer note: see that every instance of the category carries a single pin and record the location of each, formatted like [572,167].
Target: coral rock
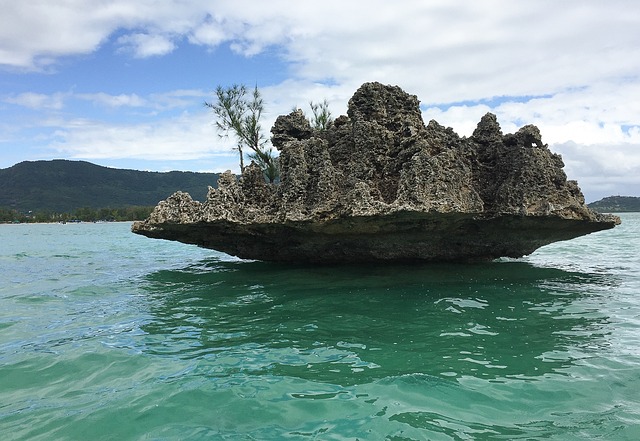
[378,184]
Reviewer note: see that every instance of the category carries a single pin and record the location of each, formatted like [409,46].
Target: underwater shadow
[359,323]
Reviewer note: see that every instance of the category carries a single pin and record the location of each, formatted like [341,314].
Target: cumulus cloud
[443,51]
[33,34]
[451,51]
[185,137]
[569,67]
[208,33]
[602,169]
[588,115]
[38,101]
[146,45]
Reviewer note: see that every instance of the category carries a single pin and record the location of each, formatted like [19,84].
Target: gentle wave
[107,335]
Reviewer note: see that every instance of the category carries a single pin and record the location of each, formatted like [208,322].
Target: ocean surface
[106,335]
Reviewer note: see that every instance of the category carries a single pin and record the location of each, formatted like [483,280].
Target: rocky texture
[380,185]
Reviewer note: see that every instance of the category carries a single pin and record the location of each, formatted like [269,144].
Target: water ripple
[102,332]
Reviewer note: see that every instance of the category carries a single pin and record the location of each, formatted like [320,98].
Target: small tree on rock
[321,115]
[238,111]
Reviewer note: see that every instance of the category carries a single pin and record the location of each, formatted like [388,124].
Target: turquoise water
[108,335]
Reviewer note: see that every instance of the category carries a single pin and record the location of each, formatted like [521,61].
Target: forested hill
[63,186]
[616,204]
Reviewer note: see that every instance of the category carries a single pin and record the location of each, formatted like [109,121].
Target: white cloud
[444,51]
[45,30]
[594,128]
[122,100]
[590,115]
[33,34]
[602,169]
[156,102]
[208,33]
[569,67]
[38,101]
[185,137]
[146,45]
[608,161]
[283,97]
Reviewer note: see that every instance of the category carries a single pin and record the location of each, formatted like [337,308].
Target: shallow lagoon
[109,335]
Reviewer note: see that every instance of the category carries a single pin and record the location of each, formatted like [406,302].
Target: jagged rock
[378,184]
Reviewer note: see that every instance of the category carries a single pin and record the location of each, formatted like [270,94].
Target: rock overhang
[379,184]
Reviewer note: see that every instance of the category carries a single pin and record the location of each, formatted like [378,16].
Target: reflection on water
[394,352]
[358,324]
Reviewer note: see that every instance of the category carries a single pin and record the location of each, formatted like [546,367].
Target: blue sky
[122,83]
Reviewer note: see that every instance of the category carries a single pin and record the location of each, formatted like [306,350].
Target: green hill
[64,186]
[616,204]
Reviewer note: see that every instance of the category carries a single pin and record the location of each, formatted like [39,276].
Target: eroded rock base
[399,237]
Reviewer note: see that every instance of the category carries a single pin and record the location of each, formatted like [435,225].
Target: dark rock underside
[401,237]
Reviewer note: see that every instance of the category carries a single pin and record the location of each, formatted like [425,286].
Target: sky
[122,83]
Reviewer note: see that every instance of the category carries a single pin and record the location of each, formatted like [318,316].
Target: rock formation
[378,184]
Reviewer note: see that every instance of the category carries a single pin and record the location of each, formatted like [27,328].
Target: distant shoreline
[65,223]
[616,204]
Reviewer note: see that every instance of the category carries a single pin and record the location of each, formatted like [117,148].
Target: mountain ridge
[616,204]
[62,185]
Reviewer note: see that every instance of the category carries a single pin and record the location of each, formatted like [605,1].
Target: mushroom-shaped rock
[378,184]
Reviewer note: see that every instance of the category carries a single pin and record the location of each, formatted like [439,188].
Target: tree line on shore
[84,214]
